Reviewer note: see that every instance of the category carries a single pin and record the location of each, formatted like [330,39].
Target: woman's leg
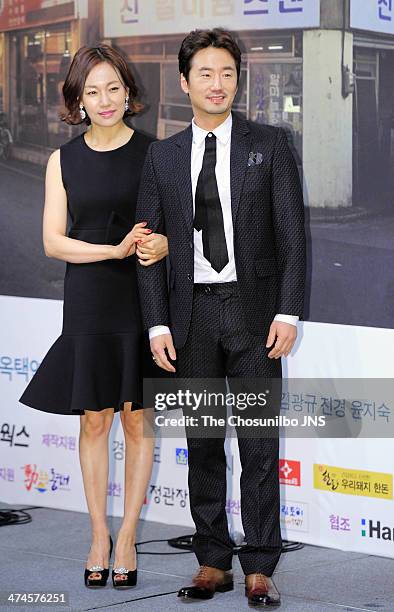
[93,456]
[139,438]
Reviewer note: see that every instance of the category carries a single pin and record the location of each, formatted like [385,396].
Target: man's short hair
[201,39]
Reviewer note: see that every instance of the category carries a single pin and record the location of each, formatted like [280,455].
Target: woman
[95,368]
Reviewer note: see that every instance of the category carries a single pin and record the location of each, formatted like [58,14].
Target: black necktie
[208,215]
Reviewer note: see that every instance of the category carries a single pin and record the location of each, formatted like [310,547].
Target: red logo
[290,472]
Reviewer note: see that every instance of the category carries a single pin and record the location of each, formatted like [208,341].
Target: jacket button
[191,245]
[189,276]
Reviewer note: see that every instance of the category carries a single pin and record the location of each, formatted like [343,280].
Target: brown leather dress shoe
[261,591]
[207,582]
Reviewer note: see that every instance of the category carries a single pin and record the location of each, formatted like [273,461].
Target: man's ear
[184,85]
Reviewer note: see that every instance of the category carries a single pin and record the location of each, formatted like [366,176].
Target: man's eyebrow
[224,68]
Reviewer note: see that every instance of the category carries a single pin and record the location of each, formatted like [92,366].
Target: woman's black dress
[103,354]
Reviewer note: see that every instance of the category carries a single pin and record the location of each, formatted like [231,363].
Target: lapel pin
[255,158]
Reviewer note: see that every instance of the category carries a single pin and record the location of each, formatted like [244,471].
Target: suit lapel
[182,172]
[240,147]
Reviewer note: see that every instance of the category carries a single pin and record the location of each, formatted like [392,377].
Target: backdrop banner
[334,492]
[372,15]
[134,18]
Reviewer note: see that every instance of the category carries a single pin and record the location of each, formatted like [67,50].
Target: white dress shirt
[203,271]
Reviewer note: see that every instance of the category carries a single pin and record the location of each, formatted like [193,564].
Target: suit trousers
[218,346]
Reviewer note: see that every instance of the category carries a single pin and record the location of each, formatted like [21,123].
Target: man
[227,194]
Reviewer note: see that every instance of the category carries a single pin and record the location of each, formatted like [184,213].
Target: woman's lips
[107,113]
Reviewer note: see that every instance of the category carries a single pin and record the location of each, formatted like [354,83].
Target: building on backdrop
[37,41]
[303,60]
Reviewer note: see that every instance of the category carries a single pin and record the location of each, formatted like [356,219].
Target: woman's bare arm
[57,244]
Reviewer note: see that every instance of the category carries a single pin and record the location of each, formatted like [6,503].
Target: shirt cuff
[291,319]
[158,330]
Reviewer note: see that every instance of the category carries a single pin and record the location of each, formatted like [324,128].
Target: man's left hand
[283,335]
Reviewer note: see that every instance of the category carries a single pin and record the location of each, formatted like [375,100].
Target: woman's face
[104,95]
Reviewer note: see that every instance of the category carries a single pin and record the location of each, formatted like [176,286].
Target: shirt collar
[222,132]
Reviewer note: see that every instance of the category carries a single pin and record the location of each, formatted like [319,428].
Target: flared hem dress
[103,354]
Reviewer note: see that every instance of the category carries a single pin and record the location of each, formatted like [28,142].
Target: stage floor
[49,554]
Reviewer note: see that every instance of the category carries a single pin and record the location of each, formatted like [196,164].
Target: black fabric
[102,354]
[222,331]
[268,220]
[208,215]
[220,345]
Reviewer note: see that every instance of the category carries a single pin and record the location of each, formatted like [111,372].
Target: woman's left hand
[151,249]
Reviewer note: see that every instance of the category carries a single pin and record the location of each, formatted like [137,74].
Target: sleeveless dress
[102,355]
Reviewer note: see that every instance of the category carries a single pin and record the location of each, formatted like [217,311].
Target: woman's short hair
[201,39]
[84,60]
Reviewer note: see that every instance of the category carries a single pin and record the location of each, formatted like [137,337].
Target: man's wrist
[158,330]
[291,319]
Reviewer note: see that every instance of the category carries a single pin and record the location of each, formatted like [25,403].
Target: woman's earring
[82,112]
[126,104]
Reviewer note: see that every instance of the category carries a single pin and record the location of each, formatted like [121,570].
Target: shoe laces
[202,572]
[261,581]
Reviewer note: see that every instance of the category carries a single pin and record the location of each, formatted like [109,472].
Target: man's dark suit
[269,250]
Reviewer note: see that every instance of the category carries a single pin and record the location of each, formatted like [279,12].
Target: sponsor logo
[233,506]
[114,489]
[168,496]
[7,434]
[336,479]
[376,530]
[42,480]
[156,454]
[294,515]
[58,441]
[339,523]
[12,366]
[181,456]
[7,474]
[290,472]
[118,449]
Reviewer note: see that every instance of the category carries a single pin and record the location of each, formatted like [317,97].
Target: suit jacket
[268,219]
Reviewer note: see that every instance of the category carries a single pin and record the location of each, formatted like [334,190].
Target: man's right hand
[158,344]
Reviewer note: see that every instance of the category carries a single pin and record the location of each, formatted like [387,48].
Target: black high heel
[92,583]
[131,579]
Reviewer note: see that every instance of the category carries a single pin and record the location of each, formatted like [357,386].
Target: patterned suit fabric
[220,330]
[268,217]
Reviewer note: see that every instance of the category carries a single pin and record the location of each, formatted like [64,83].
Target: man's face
[212,82]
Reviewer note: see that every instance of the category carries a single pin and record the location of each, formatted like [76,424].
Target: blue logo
[376,530]
[181,456]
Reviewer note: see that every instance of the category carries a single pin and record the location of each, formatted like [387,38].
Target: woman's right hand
[127,246]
